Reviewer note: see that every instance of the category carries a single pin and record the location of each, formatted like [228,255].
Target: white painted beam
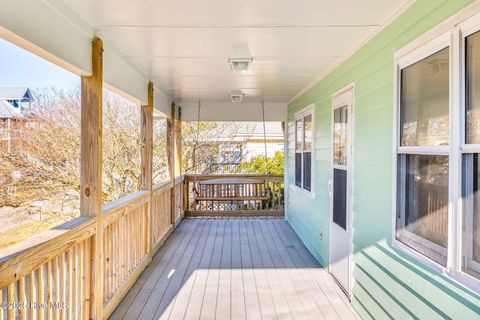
[234,111]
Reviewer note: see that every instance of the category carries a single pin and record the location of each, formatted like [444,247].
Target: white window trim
[300,115]
[453,32]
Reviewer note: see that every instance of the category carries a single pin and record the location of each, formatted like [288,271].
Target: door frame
[351,126]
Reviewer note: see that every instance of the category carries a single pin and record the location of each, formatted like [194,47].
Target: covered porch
[154,253]
[324,239]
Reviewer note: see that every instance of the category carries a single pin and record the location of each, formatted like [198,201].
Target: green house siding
[388,283]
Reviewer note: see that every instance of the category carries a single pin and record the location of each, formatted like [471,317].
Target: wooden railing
[161,222]
[234,195]
[54,272]
[52,275]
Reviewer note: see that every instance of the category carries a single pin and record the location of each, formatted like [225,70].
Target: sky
[20,68]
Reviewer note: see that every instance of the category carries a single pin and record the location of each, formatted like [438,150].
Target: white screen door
[340,222]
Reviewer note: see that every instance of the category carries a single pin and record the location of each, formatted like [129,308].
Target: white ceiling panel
[229,12]
[144,42]
[184,45]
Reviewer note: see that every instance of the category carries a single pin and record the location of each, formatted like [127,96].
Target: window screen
[340,199]
[303,151]
[298,169]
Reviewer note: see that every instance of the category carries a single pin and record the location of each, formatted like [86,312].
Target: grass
[30,228]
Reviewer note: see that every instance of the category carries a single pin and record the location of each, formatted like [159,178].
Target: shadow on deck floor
[234,269]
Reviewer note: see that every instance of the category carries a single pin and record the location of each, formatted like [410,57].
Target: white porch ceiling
[184,45]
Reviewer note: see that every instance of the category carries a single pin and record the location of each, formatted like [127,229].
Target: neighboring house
[246,140]
[15,106]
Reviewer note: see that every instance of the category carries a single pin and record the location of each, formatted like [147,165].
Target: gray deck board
[234,268]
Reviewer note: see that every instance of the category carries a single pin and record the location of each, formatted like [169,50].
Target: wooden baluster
[32,293]
[86,277]
[41,291]
[65,285]
[78,283]
[2,310]
[106,263]
[11,301]
[134,239]
[71,281]
[137,235]
[128,243]
[56,281]
[122,248]
[22,298]
[49,289]
[114,255]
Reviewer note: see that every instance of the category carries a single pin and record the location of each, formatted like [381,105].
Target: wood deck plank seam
[212,261]
[225,273]
[244,237]
[158,284]
[220,263]
[324,282]
[271,243]
[135,290]
[309,263]
[180,267]
[237,266]
[259,272]
[212,237]
[193,275]
[191,265]
[286,254]
[272,277]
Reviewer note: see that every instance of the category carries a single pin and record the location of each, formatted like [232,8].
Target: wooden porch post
[174,149]
[147,159]
[91,169]
[147,141]
[178,141]
[179,190]
[170,142]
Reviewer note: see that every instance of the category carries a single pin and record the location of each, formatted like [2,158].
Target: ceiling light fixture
[236,96]
[240,65]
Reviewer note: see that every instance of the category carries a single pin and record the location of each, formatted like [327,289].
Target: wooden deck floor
[234,269]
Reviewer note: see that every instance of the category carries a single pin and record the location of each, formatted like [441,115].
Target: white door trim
[337,102]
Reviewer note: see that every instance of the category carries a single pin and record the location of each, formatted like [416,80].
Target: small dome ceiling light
[236,96]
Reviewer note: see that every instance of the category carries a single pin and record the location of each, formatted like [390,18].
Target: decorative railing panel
[125,242]
[161,213]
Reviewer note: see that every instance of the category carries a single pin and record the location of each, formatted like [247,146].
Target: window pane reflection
[298,135]
[425,101]
[307,125]
[340,136]
[472,94]
[471,216]
[422,213]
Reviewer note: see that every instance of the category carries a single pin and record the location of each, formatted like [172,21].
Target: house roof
[16,93]
[8,111]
